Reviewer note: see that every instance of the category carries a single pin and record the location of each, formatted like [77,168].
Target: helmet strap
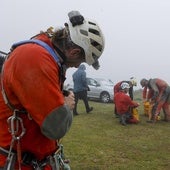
[61,54]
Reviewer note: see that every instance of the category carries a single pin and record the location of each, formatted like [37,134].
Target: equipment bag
[135,114]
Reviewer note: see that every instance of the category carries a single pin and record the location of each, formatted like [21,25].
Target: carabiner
[15,122]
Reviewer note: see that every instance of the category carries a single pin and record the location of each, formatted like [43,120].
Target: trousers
[83,96]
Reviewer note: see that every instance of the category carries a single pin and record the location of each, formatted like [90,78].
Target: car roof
[101,79]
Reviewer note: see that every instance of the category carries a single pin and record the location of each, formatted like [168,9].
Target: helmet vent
[93,31]
[84,32]
[96,44]
[91,23]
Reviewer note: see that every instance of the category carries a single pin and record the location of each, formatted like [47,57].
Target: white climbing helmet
[88,35]
[125,86]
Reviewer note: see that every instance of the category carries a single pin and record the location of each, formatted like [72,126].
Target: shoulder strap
[149,83]
[41,43]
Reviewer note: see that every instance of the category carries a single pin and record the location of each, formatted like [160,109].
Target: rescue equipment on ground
[135,114]
[148,109]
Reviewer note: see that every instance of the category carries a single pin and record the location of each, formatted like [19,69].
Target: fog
[137,36]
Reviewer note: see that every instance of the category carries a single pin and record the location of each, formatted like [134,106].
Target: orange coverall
[31,80]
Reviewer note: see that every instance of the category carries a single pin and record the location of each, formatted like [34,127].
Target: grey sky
[137,32]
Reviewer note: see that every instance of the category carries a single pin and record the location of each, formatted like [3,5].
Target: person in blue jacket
[81,88]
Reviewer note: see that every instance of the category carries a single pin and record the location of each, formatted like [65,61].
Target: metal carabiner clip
[16,126]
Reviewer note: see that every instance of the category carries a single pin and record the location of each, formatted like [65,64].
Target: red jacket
[31,79]
[123,102]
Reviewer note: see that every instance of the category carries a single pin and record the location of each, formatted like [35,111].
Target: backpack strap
[15,45]
[41,43]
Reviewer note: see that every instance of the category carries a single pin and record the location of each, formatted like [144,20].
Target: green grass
[96,141]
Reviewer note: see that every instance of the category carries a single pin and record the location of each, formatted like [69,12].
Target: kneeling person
[123,103]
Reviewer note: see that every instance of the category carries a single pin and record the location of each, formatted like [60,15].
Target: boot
[89,110]
[75,112]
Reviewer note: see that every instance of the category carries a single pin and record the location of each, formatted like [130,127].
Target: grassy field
[96,141]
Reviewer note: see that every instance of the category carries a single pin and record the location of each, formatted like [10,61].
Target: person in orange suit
[157,92]
[35,111]
[124,104]
[117,87]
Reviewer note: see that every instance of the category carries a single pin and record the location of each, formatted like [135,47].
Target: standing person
[123,104]
[36,113]
[117,87]
[157,92]
[81,88]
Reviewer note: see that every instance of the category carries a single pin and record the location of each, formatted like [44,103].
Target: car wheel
[105,97]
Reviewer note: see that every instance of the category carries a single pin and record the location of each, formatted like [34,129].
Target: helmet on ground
[88,35]
[133,81]
[124,86]
[143,82]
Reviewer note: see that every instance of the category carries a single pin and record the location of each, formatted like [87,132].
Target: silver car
[100,89]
